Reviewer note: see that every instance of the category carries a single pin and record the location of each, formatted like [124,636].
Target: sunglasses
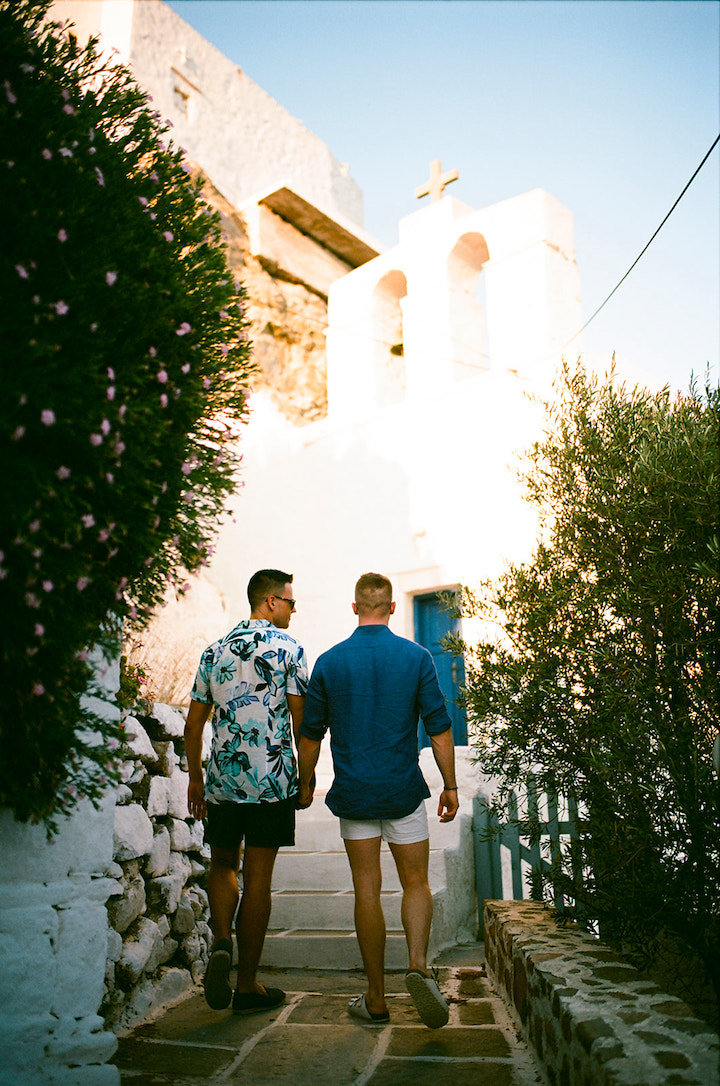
[286,599]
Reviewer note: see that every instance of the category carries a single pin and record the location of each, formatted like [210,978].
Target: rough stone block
[171,720]
[163,893]
[133,832]
[27,938]
[184,918]
[186,836]
[124,910]
[138,741]
[167,759]
[159,857]
[141,951]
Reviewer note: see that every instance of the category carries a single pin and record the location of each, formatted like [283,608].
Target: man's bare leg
[417,904]
[253,915]
[222,889]
[364,857]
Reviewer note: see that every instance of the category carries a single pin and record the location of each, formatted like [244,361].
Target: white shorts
[401,831]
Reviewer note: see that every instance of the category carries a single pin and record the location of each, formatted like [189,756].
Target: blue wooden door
[432,622]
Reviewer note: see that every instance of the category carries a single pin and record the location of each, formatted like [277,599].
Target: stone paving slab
[311,1039]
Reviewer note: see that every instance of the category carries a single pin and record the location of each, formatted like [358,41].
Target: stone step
[327,911]
[295,870]
[310,949]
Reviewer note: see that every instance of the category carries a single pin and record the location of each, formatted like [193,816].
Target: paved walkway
[311,1041]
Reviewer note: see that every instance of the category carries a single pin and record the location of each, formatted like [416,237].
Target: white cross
[438,180]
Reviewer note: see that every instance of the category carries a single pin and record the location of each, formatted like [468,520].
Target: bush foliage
[124,366]
[603,682]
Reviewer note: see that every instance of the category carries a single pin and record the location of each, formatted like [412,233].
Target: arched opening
[390,380]
[468,318]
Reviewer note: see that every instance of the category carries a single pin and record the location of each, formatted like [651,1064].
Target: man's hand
[448,805]
[196,799]
[306,794]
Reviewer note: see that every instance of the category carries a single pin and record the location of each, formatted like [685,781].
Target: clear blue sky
[610,106]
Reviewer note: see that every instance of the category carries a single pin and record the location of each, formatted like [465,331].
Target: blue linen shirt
[246,677]
[370,691]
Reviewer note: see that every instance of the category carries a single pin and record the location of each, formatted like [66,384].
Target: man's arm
[308,754]
[196,719]
[296,705]
[443,748]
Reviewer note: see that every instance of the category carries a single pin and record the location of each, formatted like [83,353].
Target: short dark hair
[266,582]
[373,594]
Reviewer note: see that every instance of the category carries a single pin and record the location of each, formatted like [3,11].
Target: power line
[652,239]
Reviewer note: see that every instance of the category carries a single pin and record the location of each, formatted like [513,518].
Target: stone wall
[591,1018]
[158,933]
[53,940]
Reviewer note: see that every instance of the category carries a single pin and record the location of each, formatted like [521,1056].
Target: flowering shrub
[123,365]
[131,695]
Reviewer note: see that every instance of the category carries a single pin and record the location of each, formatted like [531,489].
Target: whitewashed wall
[54,942]
[244,140]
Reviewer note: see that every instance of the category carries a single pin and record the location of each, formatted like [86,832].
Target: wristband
[450,788]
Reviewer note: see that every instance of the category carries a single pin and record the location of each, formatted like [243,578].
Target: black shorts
[260,825]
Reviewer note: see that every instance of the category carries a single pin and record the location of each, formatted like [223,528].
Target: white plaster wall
[238,134]
[53,945]
[424,490]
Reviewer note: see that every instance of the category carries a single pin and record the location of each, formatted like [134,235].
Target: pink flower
[100,178]
[8,91]
[122,410]
[67,153]
[105,426]
[110,277]
[162,376]
[82,583]
[224,314]
[38,690]
[61,308]
[47,417]
[152,351]
[88,520]
[96,439]
[119,448]
[185,368]
[143,200]
[69,110]
[110,478]
[47,154]
[111,392]
[65,94]
[63,472]
[183,329]
[163,400]
[154,177]
[22,272]
[168,235]
[34,525]
[148,562]
[186,468]
[110,373]
[48,586]
[18,433]
[224,348]
[62,234]
[39,629]
[206,382]
[31,599]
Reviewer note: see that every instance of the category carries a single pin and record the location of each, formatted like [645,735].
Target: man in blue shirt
[369,691]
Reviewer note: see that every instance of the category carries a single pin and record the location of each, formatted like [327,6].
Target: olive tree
[602,678]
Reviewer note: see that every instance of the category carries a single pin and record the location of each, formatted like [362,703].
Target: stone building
[384,431]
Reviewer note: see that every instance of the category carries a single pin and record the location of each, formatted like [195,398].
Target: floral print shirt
[246,676]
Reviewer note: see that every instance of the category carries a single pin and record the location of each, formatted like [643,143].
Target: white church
[436,352]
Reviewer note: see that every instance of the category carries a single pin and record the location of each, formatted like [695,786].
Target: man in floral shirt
[253,681]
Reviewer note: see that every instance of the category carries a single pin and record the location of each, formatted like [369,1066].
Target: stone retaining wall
[591,1018]
[158,912]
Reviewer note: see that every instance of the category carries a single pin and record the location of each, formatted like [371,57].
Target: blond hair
[373,594]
